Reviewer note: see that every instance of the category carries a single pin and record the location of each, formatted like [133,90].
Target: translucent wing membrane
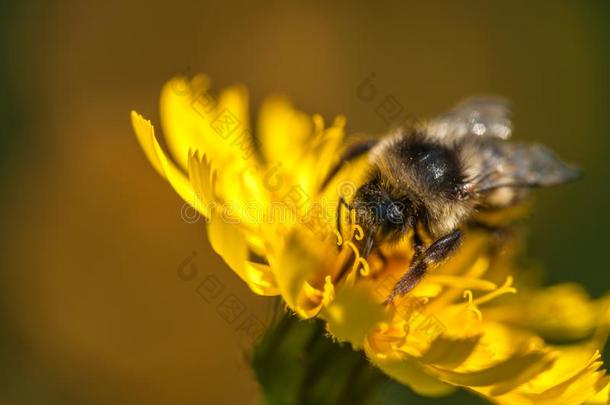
[522,165]
[483,116]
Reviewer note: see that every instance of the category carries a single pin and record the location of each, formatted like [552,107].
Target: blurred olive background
[92,306]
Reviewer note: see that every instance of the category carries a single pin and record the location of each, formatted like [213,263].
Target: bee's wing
[515,165]
[482,116]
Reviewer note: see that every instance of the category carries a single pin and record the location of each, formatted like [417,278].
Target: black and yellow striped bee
[434,177]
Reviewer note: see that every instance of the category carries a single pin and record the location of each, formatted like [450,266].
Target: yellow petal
[601,398]
[202,179]
[352,314]
[450,352]
[164,166]
[283,131]
[195,119]
[501,377]
[301,273]
[229,242]
[583,382]
[180,101]
[502,360]
[325,149]
[574,315]
[407,371]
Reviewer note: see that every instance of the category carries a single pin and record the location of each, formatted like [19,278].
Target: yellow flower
[473,322]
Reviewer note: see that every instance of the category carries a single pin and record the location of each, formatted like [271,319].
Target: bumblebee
[435,177]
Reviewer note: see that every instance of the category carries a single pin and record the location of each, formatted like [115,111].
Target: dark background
[92,307]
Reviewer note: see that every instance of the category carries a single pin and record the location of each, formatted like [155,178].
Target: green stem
[296,362]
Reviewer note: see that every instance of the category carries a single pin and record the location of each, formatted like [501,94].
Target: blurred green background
[92,306]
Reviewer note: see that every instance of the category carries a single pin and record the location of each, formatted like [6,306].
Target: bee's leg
[353,151]
[436,253]
[418,244]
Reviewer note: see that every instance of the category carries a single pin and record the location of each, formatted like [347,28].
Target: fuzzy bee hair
[437,175]
[427,175]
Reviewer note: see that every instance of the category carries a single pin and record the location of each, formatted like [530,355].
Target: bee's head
[384,216]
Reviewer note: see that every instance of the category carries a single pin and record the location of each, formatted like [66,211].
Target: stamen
[506,288]
[339,237]
[360,264]
[463,282]
[351,245]
[475,271]
[472,306]
[345,267]
[357,231]
[365,270]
